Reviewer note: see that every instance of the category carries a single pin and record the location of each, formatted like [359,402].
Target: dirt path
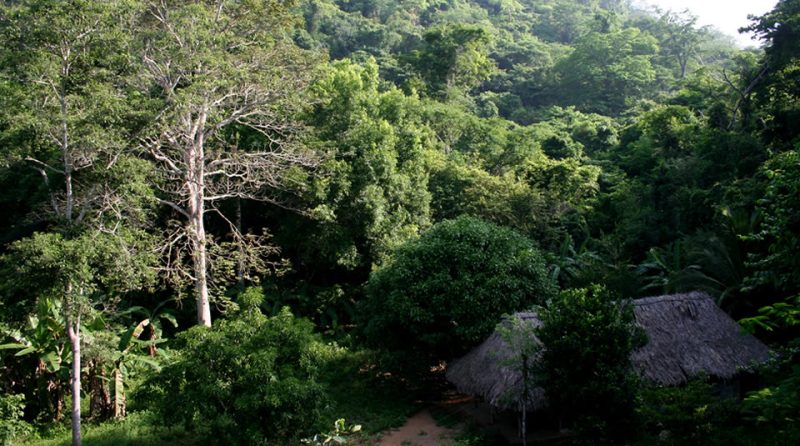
[419,430]
[422,430]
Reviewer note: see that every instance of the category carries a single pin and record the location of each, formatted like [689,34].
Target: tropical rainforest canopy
[244,220]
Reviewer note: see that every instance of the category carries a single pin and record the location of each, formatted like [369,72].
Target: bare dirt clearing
[420,430]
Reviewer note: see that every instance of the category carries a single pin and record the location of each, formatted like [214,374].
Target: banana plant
[126,357]
[153,325]
[661,271]
[43,336]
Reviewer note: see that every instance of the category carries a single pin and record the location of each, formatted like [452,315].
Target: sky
[726,15]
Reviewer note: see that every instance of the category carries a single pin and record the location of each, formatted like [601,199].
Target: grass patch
[361,394]
[474,435]
[139,429]
[356,391]
[446,417]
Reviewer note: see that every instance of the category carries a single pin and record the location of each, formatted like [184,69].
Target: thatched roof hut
[485,371]
[688,335]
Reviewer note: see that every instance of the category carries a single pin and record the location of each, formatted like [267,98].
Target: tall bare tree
[217,67]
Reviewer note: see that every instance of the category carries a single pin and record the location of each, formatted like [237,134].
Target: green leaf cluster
[250,380]
[11,423]
[444,292]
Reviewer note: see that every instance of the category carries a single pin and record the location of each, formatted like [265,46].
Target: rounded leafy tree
[444,292]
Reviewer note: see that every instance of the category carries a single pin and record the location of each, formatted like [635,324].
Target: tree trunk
[91,379]
[73,326]
[240,262]
[64,143]
[151,349]
[524,427]
[119,394]
[73,331]
[195,161]
[684,62]
[100,407]
[201,280]
[59,409]
[50,388]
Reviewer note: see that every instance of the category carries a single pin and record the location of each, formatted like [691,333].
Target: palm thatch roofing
[688,335]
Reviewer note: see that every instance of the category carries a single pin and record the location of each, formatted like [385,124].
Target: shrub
[444,292]
[775,410]
[11,423]
[697,414]
[249,380]
[691,414]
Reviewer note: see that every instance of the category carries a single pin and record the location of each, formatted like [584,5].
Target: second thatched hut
[688,335]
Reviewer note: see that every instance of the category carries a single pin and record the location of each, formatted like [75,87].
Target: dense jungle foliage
[239,221]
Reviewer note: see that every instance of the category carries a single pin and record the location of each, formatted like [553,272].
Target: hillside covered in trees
[236,222]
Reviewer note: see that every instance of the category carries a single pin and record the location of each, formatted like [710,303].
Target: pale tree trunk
[73,331]
[195,161]
[67,171]
[238,223]
[73,321]
[199,259]
[684,61]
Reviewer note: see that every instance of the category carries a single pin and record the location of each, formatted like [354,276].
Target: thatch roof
[687,334]
[485,371]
